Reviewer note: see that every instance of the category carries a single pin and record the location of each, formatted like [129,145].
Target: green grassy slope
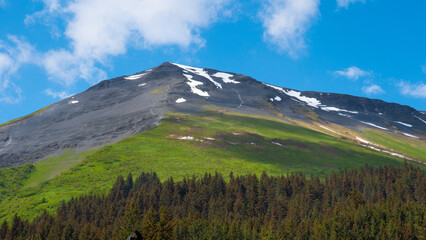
[222,142]
[403,144]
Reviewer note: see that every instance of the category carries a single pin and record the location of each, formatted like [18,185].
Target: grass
[242,144]
[11,179]
[54,166]
[406,145]
[24,117]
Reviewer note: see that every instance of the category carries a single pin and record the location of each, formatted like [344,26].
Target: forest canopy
[367,203]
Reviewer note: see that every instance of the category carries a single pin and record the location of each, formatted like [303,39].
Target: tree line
[367,203]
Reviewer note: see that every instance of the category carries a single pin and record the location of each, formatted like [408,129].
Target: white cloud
[67,68]
[373,89]
[352,73]
[48,16]
[52,5]
[286,22]
[345,3]
[423,67]
[99,29]
[6,63]
[417,90]
[14,53]
[56,94]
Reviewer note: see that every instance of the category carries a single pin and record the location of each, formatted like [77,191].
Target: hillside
[182,146]
[181,121]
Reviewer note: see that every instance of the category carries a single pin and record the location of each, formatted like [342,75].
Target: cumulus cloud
[345,3]
[352,73]
[49,16]
[285,23]
[14,52]
[417,90]
[99,29]
[67,68]
[372,89]
[56,94]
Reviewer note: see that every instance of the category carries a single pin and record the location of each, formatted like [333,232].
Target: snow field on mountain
[226,77]
[134,77]
[193,85]
[180,100]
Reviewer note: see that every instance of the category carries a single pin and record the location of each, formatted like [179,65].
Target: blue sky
[50,49]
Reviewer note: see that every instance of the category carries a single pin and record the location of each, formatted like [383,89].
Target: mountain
[182,122]
[121,107]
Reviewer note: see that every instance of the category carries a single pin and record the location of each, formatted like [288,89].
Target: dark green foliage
[3,230]
[369,203]
[13,178]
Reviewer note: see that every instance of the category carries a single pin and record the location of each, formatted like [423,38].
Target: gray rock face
[121,107]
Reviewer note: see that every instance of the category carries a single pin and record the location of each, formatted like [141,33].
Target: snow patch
[374,125]
[405,124]
[134,77]
[345,115]
[335,109]
[200,72]
[409,135]
[180,100]
[186,138]
[73,102]
[278,144]
[374,148]
[380,114]
[389,152]
[274,87]
[420,119]
[193,84]
[210,138]
[313,102]
[331,130]
[396,154]
[226,77]
[276,98]
[365,141]
[141,84]
[189,138]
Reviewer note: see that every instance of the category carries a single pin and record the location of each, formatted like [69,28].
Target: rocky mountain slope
[121,107]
